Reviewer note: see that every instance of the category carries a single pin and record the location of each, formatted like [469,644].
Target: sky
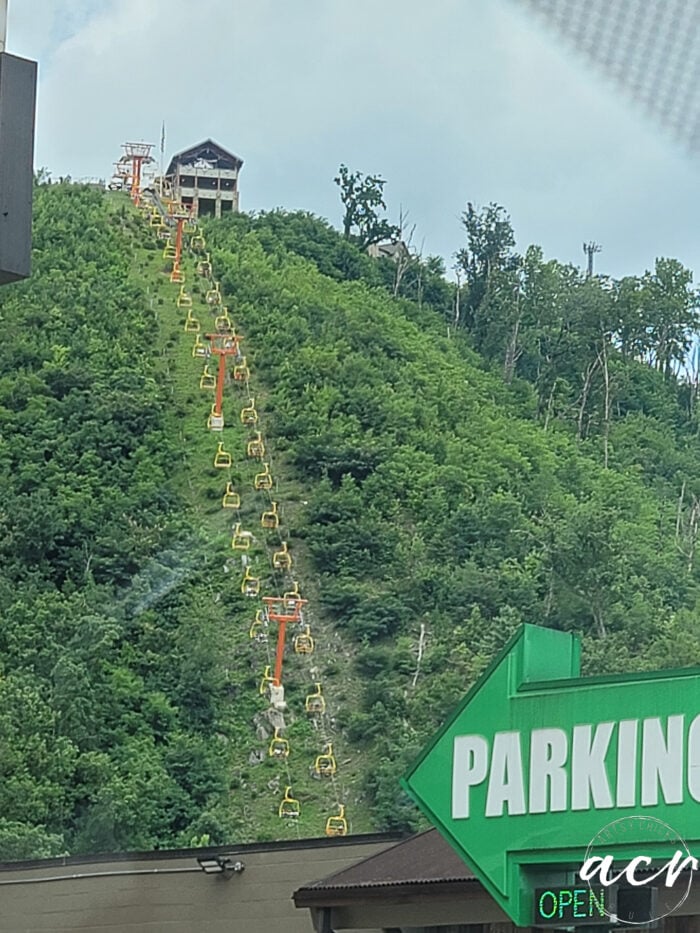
[449,100]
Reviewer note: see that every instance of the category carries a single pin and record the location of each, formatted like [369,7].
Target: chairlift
[279,747]
[325,764]
[315,703]
[256,447]
[177,276]
[222,322]
[191,323]
[222,458]
[289,807]
[282,559]
[241,539]
[337,825]
[304,643]
[270,518]
[204,267]
[200,349]
[207,380]
[198,243]
[250,585]
[249,415]
[241,371]
[213,295]
[184,300]
[263,480]
[267,681]
[232,499]
[258,628]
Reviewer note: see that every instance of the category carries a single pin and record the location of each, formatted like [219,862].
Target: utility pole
[590,249]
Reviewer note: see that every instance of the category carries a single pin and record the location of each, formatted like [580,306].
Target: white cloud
[450,100]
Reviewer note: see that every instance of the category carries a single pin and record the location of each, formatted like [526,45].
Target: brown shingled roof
[423,859]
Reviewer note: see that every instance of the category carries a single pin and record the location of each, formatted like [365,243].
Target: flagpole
[162,154]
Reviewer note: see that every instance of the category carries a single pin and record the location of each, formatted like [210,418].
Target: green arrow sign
[536,762]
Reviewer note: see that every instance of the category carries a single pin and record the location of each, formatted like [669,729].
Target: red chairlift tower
[180,214]
[222,345]
[138,154]
[283,609]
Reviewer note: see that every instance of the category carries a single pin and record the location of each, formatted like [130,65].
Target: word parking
[588,767]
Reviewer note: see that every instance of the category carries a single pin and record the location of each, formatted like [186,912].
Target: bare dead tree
[603,356]
[421,649]
[403,258]
[687,527]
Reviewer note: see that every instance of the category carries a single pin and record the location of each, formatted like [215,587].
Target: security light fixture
[220,865]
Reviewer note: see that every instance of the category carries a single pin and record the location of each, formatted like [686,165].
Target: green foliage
[107,723]
[437,502]
[439,488]
[362,197]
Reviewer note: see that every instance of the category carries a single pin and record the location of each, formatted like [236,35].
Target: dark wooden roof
[208,150]
[422,859]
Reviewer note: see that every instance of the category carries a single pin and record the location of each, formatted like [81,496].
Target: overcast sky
[450,100]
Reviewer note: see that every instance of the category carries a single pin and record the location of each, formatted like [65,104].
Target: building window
[207,184]
[207,207]
[187,181]
[226,206]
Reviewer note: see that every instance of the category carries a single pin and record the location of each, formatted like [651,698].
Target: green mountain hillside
[443,470]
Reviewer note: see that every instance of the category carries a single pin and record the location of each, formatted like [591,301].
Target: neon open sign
[574,906]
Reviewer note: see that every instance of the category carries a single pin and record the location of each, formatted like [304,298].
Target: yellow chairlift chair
[222,458]
[249,414]
[258,628]
[213,295]
[184,300]
[177,276]
[241,371]
[250,585]
[337,825]
[222,323]
[279,747]
[315,703]
[256,447]
[207,380]
[270,518]
[325,764]
[241,539]
[191,323]
[304,643]
[289,808]
[264,480]
[282,559]
[232,499]
[200,349]
[267,681]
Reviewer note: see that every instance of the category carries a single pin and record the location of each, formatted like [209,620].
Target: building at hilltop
[206,176]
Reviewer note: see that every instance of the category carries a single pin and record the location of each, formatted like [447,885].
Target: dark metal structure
[17,105]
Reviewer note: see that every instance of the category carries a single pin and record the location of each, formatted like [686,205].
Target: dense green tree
[363,197]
